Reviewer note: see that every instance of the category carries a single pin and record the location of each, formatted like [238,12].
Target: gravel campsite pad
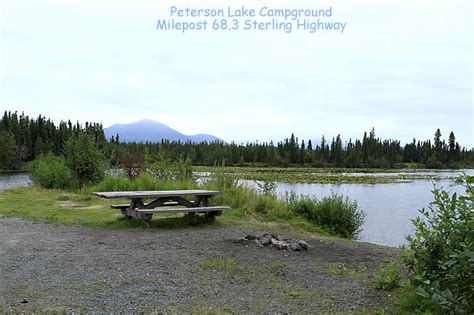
[72,268]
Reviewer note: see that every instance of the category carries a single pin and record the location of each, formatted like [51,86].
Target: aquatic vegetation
[319,175]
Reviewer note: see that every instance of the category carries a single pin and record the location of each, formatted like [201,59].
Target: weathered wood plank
[155,194]
[194,209]
[166,204]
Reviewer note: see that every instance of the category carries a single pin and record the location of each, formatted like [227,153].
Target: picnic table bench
[164,201]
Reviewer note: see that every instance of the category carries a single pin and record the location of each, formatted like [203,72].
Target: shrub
[266,186]
[221,180]
[302,205]
[168,171]
[441,253]
[388,277]
[50,171]
[264,203]
[338,215]
[133,163]
[85,159]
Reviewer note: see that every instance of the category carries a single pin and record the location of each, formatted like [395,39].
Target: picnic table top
[155,194]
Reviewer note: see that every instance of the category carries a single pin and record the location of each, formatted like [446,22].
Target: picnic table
[143,204]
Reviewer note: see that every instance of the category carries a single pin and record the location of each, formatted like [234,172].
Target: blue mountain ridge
[146,130]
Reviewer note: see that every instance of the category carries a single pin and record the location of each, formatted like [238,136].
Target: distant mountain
[152,131]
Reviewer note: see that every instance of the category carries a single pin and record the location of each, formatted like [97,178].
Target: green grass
[389,277]
[60,207]
[340,270]
[217,263]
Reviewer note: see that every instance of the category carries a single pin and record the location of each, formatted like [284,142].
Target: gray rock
[240,240]
[295,247]
[280,245]
[265,241]
[280,238]
[250,237]
[303,244]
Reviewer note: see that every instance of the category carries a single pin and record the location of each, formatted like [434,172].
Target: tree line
[22,139]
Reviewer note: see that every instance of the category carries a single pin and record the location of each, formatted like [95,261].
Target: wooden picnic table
[143,204]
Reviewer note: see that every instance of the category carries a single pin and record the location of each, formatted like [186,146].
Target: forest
[23,138]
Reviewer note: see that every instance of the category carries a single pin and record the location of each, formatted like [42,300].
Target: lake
[14,179]
[389,207]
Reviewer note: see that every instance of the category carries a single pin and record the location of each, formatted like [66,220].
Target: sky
[402,67]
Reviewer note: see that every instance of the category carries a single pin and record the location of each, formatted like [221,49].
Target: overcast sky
[403,67]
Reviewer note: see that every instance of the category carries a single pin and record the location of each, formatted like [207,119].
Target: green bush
[441,253]
[85,159]
[166,170]
[302,205]
[50,171]
[222,180]
[339,215]
[265,203]
[388,277]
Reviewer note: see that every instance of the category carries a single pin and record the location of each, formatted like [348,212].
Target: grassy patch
[217,263]
[341,270]
[57,206]
[389,277]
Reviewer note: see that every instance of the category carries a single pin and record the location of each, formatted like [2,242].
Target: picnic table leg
[139,204]
[211,214]
[147,219]
[197,202]
[124,214]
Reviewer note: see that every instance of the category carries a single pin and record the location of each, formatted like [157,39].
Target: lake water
[12,180]
[389,207]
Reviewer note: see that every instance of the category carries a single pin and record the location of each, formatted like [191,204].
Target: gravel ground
[201,269]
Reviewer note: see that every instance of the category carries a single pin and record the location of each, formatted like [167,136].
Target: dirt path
[72,268]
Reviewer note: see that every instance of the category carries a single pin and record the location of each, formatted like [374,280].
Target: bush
[133,163]
[85,159]
[221,180]
[338,215]
[388,277]
[168,171]
[441,253]
[50,171]
[266,187]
